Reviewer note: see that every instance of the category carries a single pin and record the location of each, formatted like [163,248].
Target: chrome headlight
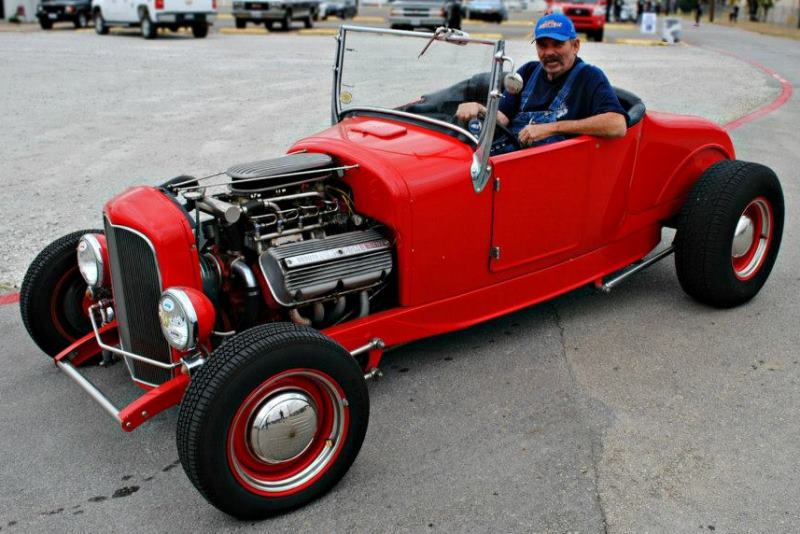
[599,9]
[91,259]
[178,319]
[186,316]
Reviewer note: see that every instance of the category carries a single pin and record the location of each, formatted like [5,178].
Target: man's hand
[536,132]
[609,125]
[469,110]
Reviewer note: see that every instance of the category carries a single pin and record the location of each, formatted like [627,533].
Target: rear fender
[688,172]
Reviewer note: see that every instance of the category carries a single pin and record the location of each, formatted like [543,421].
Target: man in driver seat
[562,96]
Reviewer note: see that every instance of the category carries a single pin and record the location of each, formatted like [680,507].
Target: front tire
[51,299]
[46,24]
[100,24]
[286,21]
[729,233]
[241,24]
[228,441]
[81,21]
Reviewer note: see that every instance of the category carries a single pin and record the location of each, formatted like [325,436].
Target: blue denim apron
[553,113]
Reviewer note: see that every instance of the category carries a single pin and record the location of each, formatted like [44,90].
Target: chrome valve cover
[298,273]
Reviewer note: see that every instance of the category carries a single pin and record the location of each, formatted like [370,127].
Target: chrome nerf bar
[90,388]
[613,282]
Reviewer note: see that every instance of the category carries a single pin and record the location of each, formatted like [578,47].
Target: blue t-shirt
[591,94]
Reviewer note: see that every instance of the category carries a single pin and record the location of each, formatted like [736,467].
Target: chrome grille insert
[136,282]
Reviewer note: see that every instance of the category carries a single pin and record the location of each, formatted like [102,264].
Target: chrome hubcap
[751,238]
[284,427]
[742,236]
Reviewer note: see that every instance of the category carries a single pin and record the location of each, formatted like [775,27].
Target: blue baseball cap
[555,26]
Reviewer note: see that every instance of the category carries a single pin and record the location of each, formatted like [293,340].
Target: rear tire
[241,24]
[52,295]
[149,29]
[252,474]
[308,22]
[46,24]
[729,233]
[200,30]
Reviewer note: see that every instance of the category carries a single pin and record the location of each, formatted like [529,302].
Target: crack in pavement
[581,409]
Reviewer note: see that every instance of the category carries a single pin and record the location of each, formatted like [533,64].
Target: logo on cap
[550,24]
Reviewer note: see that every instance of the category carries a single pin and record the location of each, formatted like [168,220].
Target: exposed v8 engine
[291,220]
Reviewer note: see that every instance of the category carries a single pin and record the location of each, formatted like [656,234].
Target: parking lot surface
[638,411]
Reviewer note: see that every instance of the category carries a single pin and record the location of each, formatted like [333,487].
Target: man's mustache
[553,59]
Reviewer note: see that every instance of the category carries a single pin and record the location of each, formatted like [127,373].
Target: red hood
[398,162]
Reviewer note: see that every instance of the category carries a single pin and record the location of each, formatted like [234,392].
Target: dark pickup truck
[282,12]
[78,12]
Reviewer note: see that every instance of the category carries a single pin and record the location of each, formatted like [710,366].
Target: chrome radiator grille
[137,287]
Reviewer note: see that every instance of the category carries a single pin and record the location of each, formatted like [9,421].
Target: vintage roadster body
[261,298]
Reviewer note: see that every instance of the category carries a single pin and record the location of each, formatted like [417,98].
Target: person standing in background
[734,15]
[698,12]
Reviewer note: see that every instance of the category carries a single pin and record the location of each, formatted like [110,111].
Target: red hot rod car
[260,299]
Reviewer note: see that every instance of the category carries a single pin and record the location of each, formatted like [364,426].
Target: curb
[781,99]
[9,298]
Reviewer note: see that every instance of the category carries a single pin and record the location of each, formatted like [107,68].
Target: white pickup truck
[269,12]
[410,14]
[150,15]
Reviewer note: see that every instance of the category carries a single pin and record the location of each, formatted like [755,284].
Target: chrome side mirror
[512,82]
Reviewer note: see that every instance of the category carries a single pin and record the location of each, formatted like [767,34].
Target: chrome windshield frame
[480,170]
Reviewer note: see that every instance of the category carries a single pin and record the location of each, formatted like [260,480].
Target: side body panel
[418,184]
[558,201]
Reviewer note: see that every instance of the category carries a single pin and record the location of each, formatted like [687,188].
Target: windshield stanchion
[336,111]
[480,169]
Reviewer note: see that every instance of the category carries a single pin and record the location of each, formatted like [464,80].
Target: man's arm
[608,125]
[470,110]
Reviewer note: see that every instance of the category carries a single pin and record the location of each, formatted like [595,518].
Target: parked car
[78,12]
[516,5]
[150,15]
[491,10]
[270,13]
[409,14]
[588,16]
[344,9]
[261,302]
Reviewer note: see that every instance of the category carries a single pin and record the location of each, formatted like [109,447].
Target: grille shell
[136,282]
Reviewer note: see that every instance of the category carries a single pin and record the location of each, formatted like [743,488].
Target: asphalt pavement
[638,411]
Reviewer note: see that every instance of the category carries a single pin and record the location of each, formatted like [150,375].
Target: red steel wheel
[752,238]
[272,421]
[287,432]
